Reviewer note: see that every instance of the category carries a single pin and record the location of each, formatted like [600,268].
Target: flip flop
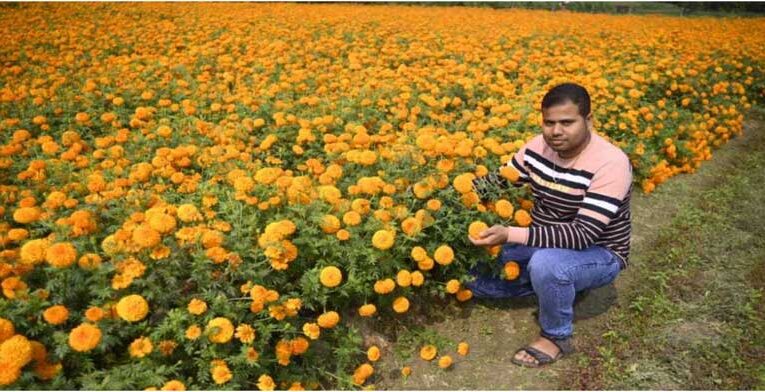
[565,347]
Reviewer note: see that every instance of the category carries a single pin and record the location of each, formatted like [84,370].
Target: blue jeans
[555,275]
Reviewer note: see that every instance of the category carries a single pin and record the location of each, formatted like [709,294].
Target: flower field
[204,195]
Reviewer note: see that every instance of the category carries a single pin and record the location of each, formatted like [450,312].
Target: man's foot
[541,352]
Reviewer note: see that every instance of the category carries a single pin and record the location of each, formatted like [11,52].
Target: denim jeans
[555,275]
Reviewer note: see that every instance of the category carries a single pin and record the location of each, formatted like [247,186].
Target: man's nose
[557,129]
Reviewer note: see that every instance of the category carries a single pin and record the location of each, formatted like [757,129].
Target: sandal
[565,348]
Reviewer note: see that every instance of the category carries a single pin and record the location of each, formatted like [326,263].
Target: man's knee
[545,265]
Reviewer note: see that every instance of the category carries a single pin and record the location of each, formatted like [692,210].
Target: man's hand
[495,235]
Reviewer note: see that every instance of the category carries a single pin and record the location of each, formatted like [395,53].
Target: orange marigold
[84,337]
[383,239]
[444,255]
[61,255]
[330,276]
[56,314]
[132,308]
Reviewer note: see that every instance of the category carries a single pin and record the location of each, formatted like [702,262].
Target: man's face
[564,129]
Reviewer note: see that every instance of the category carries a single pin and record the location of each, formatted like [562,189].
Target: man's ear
[588,121]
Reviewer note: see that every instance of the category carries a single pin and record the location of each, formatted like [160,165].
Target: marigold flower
[197,306]
[404,278]
[352,218]
[343,235]
[367,310]
[383,239]
[445,362]
[417,278]
[94,314]
[61,255]
[384,286]
[245,333]
[33,251]
[522,218]
[26,215]
[512,270]
[6,329]
[140,347]
[444,255]
[510,173]
[266,383]
[406,371]
[464,295]
[221,374]
[193,332]
[299,345]
[452,286]
[476,228]
[401,305]
[418,254]
[373,353]
[463,183]
[330,224]
[188,213]
[328,320]
[17,235]
[8,373]
[56,314]
[84,337]
[463,348]
[220,330]
[145,237]
[330,276]
[504,209]
[44,370]
[16,351]
[132,308]
[311,330]
[174,385]
[428,352]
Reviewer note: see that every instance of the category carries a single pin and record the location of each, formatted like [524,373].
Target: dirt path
[495,329]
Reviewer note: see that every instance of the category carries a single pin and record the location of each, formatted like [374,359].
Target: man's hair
[568,92]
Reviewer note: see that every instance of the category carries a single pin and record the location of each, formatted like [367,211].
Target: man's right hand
[495,235]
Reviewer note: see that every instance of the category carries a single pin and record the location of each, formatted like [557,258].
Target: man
[580,235]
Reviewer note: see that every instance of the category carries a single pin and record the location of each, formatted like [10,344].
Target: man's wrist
[517,235]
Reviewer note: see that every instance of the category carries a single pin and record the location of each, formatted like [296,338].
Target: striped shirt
[578,202]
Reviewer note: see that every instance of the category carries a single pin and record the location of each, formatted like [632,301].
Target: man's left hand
[495,235]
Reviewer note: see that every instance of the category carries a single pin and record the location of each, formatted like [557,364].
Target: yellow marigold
[445,362]
[266,383]
[161,222]
[330,224]
[84,337]
[16,351]
[433,204]
[245,333]
[476,228]
[220,330]
[464,295]
[417,278]
[367,310]
[522,218]
[44,370]
[8,373]
[145,237]
[132,308]
[328,319]
[419,254]
[452,286]
[33,251]
[428,352]
[509,173]
[89,261]
[26,215]
[463,348]
[444,255]
[343,235]
[311,330]
[352,218]
[197,306]
[404,278]
[188,213]
[426,264]
[17,235]
[6,329]
[373,354]
[411,226]
[221,374]
[406,371]
[174,385]
[56,314]
[383,239]
[400,305]
[140,347]
[384,286]
[61,255]
[463,183]
[330,276]
[193,332]
[299,345]
[94,314]
[512,270]
[504,209]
